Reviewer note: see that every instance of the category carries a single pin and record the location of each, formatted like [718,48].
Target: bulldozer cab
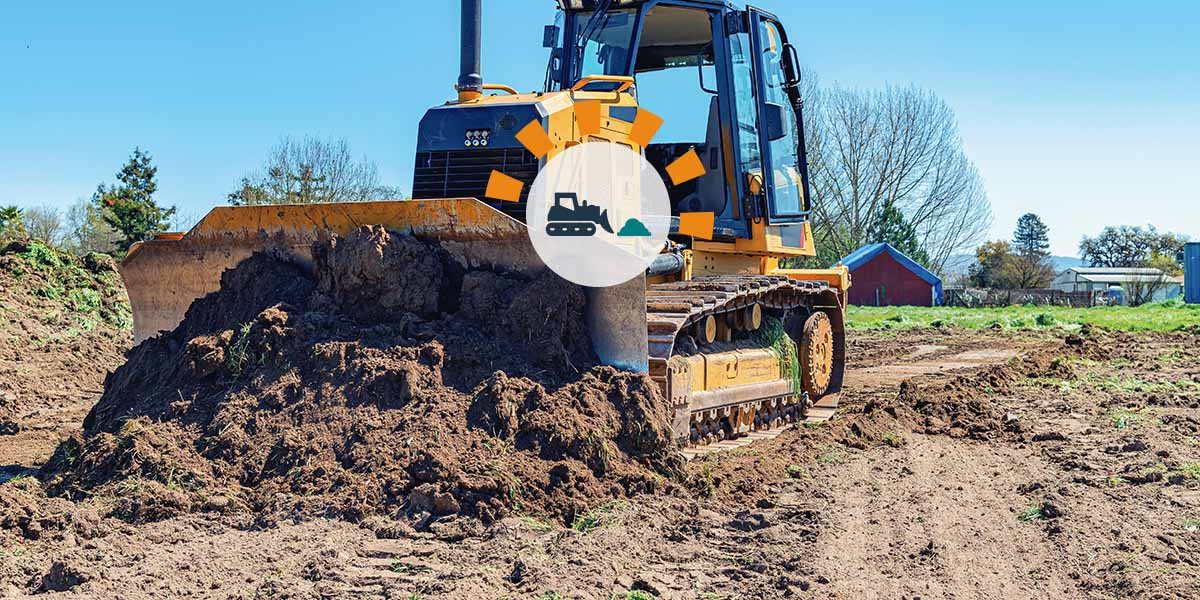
[724,80]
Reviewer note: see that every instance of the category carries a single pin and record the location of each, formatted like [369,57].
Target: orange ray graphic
[645,125]
[697,224]
[535,140]
[587,115]
[503,187]
[685,168]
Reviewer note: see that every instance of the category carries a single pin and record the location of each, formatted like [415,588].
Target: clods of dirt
[963,406]
[64,322]
[387,380]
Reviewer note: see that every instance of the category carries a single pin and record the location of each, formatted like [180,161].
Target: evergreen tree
[1031,238]
[11,223]
[894,229]
[1030,266]
[129,207]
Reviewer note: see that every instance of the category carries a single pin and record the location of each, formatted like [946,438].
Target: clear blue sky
[1087,113]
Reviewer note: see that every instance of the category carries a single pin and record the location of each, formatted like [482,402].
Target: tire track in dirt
[937,517]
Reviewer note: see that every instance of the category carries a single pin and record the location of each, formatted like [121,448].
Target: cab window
[785,185]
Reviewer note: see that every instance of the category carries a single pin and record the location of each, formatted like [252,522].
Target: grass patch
[637,595]
[1191,525]
[1133,385]
[797,472]
[1123,418]
[1190,470]
[1033,513]
[830,456]
[1160,316]
[238,357]
[773,335]
[406,569]
[537,525]
[597,517]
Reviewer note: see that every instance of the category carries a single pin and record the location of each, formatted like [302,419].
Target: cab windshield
[603,42]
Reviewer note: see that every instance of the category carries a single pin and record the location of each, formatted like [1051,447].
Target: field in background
[1172,315]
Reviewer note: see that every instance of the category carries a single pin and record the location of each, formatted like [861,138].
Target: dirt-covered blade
[165,275]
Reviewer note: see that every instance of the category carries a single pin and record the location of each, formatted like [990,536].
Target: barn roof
[864,255]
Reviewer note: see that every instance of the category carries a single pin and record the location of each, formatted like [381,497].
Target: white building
[1100,279]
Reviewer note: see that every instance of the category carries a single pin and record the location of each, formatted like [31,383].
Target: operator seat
[710,187]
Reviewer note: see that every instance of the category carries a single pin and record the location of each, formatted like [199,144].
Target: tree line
[1025,261]
[118,215]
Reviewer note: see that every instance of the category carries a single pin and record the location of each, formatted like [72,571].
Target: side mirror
[550,36]
[773,120]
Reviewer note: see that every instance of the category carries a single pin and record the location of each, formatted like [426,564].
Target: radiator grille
[464,174]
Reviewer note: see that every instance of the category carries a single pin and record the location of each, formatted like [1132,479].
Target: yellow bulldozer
[724,87]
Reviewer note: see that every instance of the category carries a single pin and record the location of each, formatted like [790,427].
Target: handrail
[625,81]
[500,87]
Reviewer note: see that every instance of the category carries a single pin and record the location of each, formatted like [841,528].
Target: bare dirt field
[962,464]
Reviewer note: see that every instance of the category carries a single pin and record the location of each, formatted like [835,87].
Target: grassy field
[1172,315]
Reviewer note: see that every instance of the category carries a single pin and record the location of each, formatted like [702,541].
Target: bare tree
[868,150]
[87,231]
[185,220]
[309,171]
[43,223]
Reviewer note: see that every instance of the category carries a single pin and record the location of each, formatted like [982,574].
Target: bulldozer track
[672,308]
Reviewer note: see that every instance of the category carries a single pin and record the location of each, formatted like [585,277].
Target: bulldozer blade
[603,222]
[165,275]
[617,321]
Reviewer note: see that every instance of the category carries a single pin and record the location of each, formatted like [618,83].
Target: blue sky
[1087,113]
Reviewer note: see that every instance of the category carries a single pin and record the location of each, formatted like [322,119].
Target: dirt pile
[64,322]
[387,381]
[963,405]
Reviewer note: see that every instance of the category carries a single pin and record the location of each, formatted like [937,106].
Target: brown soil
[384,385]
[64,324]
[960,465]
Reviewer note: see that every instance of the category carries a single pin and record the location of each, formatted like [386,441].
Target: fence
[981,297]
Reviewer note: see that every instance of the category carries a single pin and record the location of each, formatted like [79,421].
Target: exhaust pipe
[470,81]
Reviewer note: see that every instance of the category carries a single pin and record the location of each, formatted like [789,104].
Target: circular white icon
[598,214]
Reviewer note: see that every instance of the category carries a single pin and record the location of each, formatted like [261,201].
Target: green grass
[1033,513]
[636,595]
[597,517]
[1191,525]
[830,456]
[537,525]
[773,335]
[1124,418]
[399,567]
[1161,316]
[1190,470]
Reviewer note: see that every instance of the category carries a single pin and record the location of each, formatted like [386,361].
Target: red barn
[882,276]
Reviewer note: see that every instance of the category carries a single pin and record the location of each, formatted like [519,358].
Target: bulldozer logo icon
[599,213]
[577,220]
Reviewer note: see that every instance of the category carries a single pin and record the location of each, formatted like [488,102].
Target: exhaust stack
[470,81]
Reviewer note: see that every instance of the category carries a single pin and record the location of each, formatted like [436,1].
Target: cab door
[781,129]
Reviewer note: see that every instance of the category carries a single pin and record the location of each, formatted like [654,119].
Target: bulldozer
[576,219]
[723,83]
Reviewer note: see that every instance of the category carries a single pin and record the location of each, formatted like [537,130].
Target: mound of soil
[387,380]
[64,323]
[964,405]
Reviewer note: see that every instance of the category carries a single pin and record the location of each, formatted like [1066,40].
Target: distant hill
[959,264]
[1062,263]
